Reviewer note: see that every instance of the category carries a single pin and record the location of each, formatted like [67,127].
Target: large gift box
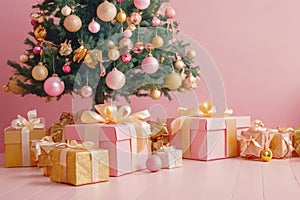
[79,166]
[208,138]
[17,140]
[127,151]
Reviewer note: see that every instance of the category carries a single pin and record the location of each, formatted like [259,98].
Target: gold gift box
[78,170]
[13,146]
[44,160]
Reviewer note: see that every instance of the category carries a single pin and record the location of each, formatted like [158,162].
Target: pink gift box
[119,139]
[209,138]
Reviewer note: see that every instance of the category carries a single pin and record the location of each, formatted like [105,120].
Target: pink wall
[255,45]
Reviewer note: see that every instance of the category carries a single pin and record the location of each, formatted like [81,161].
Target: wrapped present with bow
[296,141]
[125,135]
[159,134]
[205,134]
[79,164]
[170,157]
[57,130]
[42,149]
[254,140]
[281,144]
[17,139]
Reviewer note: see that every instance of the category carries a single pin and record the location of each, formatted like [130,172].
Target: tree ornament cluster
[125,48]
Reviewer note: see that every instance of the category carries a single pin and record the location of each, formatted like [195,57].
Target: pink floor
[221,179]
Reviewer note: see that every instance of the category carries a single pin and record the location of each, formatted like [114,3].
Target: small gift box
[17,139]
[296,141]
[57,130]
[281,144]
[79,165]
[42,149]
[170,157]
[125,136]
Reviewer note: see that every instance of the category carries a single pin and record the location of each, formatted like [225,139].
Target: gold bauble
[66,10]
[72,23]
[266,154]
[191,54]
[5,88]
[106,11]
[121,16]
[113,54]
[157,42]
[205,106]
[190,82]
[24,58]
[39,72]
[13,85]
[179,64]
[125,42]
[173,81]
[155,93]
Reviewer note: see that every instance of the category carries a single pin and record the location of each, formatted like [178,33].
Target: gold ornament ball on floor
[266,155]
[13,85]
[155,93]
[173,81]
[157,42]
[106,11]
[39,72]
[72,23]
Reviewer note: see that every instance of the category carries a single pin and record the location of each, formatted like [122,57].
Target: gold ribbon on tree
[32,122]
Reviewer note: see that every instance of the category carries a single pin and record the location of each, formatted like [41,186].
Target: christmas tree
[103,49]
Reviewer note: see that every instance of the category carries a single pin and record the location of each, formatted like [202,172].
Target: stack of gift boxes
[108,143]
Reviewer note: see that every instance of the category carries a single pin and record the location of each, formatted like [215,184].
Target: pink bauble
[66,68]
[32,22]
[54,86]
[150,65]
[141,4]
[155,21]
[115,79]
[37,49]
[127,33]
[170,13]
[94,27]
[153,163]
[126,57]
[119,1]
[86,91]
[135,18]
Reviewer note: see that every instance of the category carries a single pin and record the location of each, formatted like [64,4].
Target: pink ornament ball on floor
[153,163]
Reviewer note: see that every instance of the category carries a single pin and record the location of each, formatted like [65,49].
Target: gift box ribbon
[206,109]
[89,146]
[26,125]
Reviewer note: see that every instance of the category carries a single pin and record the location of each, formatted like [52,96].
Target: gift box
[78,166]
[170,157]
[281,144]
[296,142]
[42,149]
[208,138]
[127,151]
[57,130]
[17,140]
